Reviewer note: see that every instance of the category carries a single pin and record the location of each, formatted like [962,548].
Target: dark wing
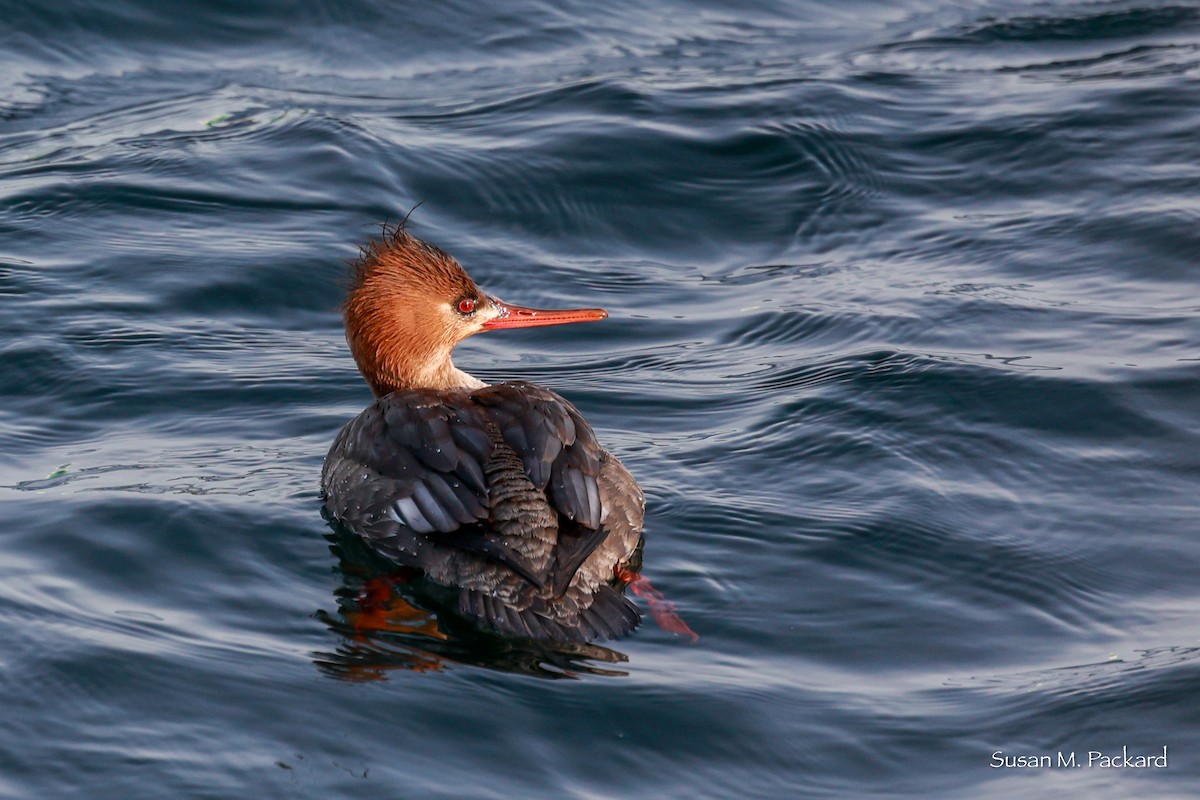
[555,444]
[409,469]
[411,474]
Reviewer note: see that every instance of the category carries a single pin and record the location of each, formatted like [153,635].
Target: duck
[500,494]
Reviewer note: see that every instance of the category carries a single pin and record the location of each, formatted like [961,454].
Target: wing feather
[416,458]
[555,444]
[410,473]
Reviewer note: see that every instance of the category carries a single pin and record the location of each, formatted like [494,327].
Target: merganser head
[410,304]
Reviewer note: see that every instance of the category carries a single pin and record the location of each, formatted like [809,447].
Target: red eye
[466,305]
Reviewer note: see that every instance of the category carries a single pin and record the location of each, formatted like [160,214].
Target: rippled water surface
[903,349]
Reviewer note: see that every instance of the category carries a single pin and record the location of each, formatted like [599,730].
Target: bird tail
[609,615]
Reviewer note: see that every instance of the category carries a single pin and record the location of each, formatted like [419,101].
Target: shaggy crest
[397,252]
[398,312]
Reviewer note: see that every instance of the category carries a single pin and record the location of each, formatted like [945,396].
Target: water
[903,349]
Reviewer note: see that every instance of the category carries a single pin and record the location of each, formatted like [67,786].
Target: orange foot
[381,609]
[662,609]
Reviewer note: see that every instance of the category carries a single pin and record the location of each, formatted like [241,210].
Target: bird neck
[389,369]
[390,360]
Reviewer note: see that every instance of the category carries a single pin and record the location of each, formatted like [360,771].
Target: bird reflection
[392,618]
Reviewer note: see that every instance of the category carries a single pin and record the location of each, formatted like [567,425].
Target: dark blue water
[903,349]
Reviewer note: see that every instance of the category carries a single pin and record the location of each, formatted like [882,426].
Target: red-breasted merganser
[501,492]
